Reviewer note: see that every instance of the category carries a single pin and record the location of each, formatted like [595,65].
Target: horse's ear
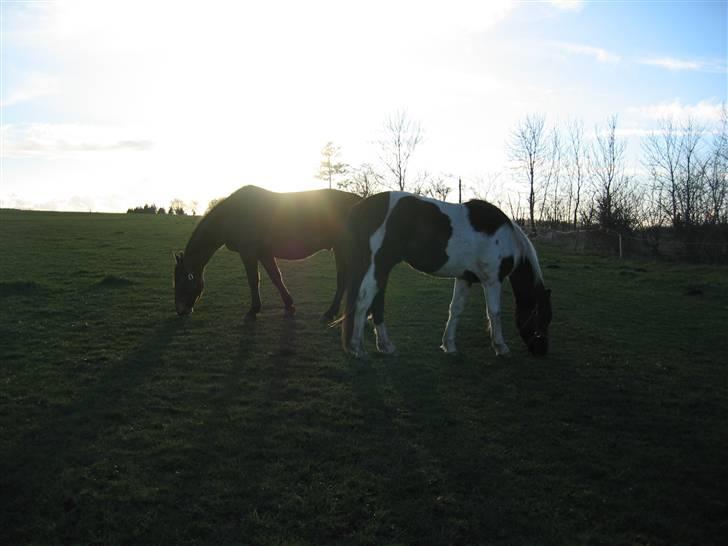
[178,256]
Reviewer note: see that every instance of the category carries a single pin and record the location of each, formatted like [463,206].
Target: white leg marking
[368,288]
[459,296]
[384,345]
[367,291]
[492,301]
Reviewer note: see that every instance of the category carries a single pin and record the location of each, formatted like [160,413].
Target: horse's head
[533,322]
[188,286]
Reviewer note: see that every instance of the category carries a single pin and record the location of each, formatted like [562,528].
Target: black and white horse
[474,242]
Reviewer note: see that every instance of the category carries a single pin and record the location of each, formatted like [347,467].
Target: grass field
[123,423]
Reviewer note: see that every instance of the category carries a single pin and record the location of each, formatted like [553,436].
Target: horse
[261,226]
[474,242]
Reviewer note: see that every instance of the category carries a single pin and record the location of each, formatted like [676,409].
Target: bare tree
[489,187]
[577,164]
[401,137]
[362,180]
[662,159]
[438,187]
[213,202]
[550,202]
[607,171]
[651,213]
[421,183]
[528,151]
[693,168]
[678,169]
[330,167]
[717,174]
[177,206]
[515,209]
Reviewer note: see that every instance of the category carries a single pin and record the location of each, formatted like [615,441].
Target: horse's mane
[528,252]
[204,221]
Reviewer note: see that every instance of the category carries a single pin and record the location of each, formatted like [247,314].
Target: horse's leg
[271,267]
[493,304]
[459,296]
[251,270]
[384,345]
[329,315]
[367,291]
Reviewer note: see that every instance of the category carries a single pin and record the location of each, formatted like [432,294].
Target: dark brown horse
[261,226]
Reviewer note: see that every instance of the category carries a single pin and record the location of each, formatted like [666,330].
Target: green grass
[123,423]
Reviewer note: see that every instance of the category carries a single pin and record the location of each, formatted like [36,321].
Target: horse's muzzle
[538,344]
[182,310]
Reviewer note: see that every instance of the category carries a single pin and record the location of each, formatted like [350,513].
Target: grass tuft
[21,288]
[115,281]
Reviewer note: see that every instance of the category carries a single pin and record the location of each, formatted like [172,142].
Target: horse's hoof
[449,349]
[290,311]
[359,353]
[504,352]
[249,318]
[387,348]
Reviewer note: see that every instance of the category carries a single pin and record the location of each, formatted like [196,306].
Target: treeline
[176,207]
[568,178]
[152,209]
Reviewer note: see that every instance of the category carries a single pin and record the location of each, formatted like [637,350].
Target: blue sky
[107,105]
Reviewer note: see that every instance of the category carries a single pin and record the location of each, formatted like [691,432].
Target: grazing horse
[474,242]
[261,226]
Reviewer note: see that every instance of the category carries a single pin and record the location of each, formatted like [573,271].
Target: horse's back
[289,225]
[258,201]
[436,237]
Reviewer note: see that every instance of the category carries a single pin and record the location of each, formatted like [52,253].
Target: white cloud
[50,140]
[246,92]
[627,132]
[33,86]
[601,55]
[567,5]
[671,63]
[707,111]
[77,203]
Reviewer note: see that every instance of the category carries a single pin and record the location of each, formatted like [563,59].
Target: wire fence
[704,248]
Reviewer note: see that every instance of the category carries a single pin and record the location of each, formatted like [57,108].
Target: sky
[106,105]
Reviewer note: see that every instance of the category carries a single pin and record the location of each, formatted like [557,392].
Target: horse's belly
[295,250]
[461,257]
[450,270]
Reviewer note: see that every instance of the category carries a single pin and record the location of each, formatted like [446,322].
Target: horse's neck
[526,278]
[524,281]
[204,242]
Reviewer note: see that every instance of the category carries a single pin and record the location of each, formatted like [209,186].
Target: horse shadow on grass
[237,443]
[29,470]
[444,473]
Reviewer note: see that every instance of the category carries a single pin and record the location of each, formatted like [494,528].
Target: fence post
[620,245]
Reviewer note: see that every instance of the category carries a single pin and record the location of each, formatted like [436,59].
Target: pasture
[123,423]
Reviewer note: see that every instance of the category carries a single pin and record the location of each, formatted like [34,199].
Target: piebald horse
[261,226]
[474,242]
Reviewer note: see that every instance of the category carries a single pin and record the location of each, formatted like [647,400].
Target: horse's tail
[364,219]
[357,259]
